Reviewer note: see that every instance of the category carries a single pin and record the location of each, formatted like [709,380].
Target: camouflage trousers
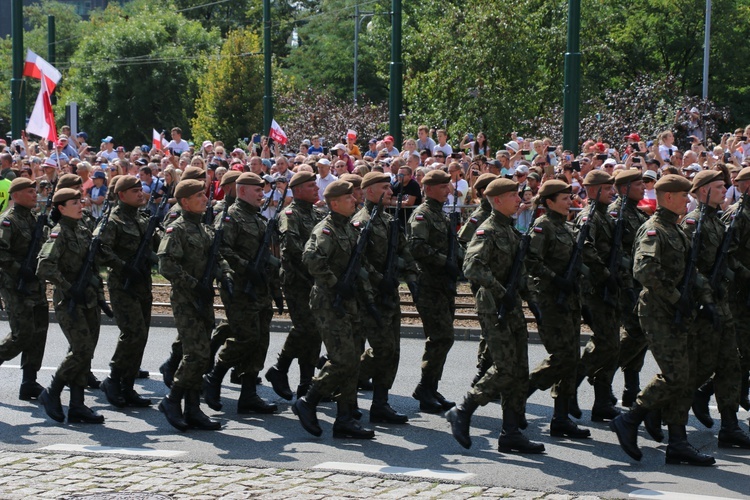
[509,374]
[81,329]
[303,341]
[633,344]
[600,356]
[671,390]
[380,360]
[741,315]
[133,318]
[437,309]
[344,350]
[249,324]
[28,321]
[194,336]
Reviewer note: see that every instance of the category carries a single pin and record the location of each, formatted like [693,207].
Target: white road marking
[141,452]
[645,494]
[399,471]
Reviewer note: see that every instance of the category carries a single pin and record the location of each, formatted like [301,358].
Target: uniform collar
[338,219]
[22,211]
[128,209]
[556,217]
[247,207]
[69,221]
[667,215]
[501,219]
[192,217]
[485,205]
[434,204]
[304,205]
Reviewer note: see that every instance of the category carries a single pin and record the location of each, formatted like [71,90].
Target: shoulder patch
[538,229]
[690,221]
[613,213]
[54,235]
[473,220]
[288,212]
[6,223]
[326,231]
[480,232]
[173,215]
[651,232]
[419,217]
[584,219]
[227,218]
[170,229]
[356,223]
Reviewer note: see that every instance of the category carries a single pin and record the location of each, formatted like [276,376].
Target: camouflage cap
[500,186]
[301,178]
[186,188]
[230,178]
[554,186]
[21,183]
[744,175]
[435,177]
[371,178]
[249,179]
[338,188]
[622,177]
[705,177]
[483,181]
[355,179]
[598,178]
[673,183]
[65,194]
[125,182]
[193,173]
[69,180]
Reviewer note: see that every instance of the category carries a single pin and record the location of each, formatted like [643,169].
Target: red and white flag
[276,133]
[351,134]
[35,67]
[156,139]
[42,120]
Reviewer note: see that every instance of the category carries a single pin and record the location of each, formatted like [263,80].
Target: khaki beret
[338,188]
[435,177]
[355,179]
[230,177]
[69,180]
[193,173]
[744,175]
[483,181]
[598,178]
[125,182]
[500,186]
[673,183]
[371,178]
[705,177]
[21,183]
[301,178]
[554,186]
[65,194]
[623,177]
[249,179]
[186,188]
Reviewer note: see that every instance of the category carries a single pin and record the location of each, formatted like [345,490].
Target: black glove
[452,270]
[562,284]
[373,310]
[279,301]
[227,283]
[343,290]
[414,289]
[710,312]
[588,318]
[534,308]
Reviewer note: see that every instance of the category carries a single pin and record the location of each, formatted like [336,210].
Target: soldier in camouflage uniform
[550,248]
[249,314]
[429,242]
[714,327]
[122,237]
[296,223]
[60,262]
[487,264]
[661,253]
[183,255]
[333,302]
[27,308]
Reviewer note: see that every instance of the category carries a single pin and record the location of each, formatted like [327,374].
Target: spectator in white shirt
[442,144]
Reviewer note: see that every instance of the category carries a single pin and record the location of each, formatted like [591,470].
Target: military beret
[553,187]
[68,180]
[484,180]
[301,178]
[186,188]
[598,178]
[20,183]
[249,179]
[230,177]
[705,177]
[500,186]
[65,194]
[744,175]
[354,179]
[338,188]
[371,178]
[673,183]
[622,177]
[193,173]
[435,177]
[125,182]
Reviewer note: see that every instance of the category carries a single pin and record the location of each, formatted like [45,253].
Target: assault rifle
[692,263]
[615,253]
[514,277]
[390,272]
[28,267]
[208,216]
[451,256]
[719,268]
[144,248]
[207,280]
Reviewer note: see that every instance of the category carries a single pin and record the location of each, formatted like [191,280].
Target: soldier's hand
[279,301]
[227,283]
[586,314]
[534,308]
[451,269]
[562,284]
[710,312]
[414,289]
[373,310]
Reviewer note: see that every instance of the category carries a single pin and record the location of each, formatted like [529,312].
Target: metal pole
[706,56]
[17,108]
[267,90]
[396,74]
[51,48]
[356,48]
[572,85]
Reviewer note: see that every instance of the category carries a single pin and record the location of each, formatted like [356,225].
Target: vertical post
[356,48]
[267,90]
[51,57]
[17,108]
[396,74]
[572,85]
[706,56]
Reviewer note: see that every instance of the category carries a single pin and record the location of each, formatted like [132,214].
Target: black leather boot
[112,387]
[744,389]
[460,419]
[573,409]
[626,427]
[278,375]
[169,367]
[50,399]
[652,423]
[306,372]
[92,382]
[700,403]
[730,434]
[249,401]
[380,411]
[512,440]
[78,412]
[171,407]
[212,386]
[305,408]
[632,387]
[424,394]
[562,425]
[445,404]
[131,397]
[142,373]
[679,451]
[603,408]
[194,416]
[30,388]
[346,427]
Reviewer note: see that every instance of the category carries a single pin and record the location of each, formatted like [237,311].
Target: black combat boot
[112,387]
[305,407]
[346,427]
[142,373]
[92,382]
[50,399]
[512,440]
[171,407]
[730,434]
[744,389]
[249,401]
[632,387]
[30,388]
[212,386]
[380,411]
[79,413]
[445,404]
[652,423]
[460,419]
[700,403]
[603,408]
[194,416]
[573,408]
[131,397]
[562,425]
[169,367]
[306,372]
[278,375]
[679,451]
[626,428]
[427,401]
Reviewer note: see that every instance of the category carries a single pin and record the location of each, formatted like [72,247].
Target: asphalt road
[596,466]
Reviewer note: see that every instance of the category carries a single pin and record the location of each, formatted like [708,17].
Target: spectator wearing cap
[97,193]
[277,195]
[339,167]
[351,145]
[388,146]
[207,148]
[65,147]
[690,123]
[442,144]
[520,175]
[51,170]
[533,182]
[340,150]
[424,141]
[107,149]
[373,150]
[648,203]
[324,178]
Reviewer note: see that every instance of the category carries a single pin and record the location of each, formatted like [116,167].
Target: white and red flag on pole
[156,139]
[35,67]
[42,120]
[276,133]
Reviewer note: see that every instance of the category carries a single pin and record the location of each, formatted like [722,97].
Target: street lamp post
[358,18]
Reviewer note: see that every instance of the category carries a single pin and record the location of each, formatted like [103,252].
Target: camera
[576,165]
[525,151]
[602,156]
[743,138]
[636,160]
[551,149]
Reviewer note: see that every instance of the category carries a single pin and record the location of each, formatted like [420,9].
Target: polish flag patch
[172,215]
[480,232]
[584,219]
[537,229]
[6,223]
[419,217]
[53,235]
[288,212]
[170,229]
[613,214]
[356,223]
[326,231]
[651,232]
[473,220]
[690,221]
[227,218]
